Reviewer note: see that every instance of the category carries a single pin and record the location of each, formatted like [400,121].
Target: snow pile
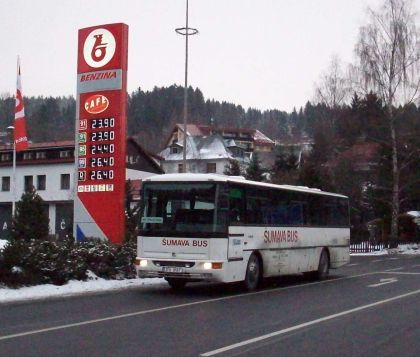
[409,248]
[3,243]
[73,287]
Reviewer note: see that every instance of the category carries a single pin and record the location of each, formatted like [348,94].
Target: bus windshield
[193,209]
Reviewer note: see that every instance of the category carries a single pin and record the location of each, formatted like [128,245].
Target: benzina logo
[99,48]
[96,104]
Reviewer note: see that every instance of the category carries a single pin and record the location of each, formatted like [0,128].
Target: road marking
[378,260]
[399,272]
[399,268]
[144,312]
[352,265]
[383,282]
[309,323]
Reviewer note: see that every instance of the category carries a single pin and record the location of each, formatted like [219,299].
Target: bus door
[236,223]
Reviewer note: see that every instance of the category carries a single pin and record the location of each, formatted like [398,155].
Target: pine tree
[232,168]
[285,168]
[254,171]
[31,220]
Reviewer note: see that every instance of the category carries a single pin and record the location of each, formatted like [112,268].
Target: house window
[5,183]
[40,155]
[28,183]
[180,168]
[6,157]
[174,150]
[64,154]
[65,181]
[41,182]
[211,167]
[28,155]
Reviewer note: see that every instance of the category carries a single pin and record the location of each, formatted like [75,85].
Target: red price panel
[101,132]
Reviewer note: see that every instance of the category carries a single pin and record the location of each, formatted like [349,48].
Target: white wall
[53,173]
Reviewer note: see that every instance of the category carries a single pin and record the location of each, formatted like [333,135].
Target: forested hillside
[151,115]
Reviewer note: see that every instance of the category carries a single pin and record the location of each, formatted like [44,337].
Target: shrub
[39,262]
[107,260]
[57,261]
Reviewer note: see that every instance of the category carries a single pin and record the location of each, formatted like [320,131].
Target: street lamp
[11,128]
[186,31]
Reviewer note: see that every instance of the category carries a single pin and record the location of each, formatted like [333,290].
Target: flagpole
[14,180]
[12,128]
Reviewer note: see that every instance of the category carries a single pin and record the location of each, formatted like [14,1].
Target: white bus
[208,227]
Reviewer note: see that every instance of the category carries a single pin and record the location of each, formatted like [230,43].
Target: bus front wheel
[253,273]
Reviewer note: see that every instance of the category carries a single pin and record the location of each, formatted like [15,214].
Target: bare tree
[388,55]
[333,88]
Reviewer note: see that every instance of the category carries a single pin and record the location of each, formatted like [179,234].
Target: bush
[57,261]
[41,262]
[32,257]
[107,260]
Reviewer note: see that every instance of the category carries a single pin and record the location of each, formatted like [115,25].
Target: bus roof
[195,177]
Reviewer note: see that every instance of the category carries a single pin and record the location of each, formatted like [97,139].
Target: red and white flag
[20,137]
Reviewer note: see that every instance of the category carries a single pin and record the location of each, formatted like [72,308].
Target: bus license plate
[173,270]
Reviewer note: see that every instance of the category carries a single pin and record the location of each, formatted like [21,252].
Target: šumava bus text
[279,236]
[184,243]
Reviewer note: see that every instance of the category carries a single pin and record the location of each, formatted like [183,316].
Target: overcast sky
[265,54]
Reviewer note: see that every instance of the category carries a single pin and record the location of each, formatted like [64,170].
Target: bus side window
[236,205]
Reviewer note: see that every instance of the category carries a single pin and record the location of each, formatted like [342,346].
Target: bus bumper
[209,271]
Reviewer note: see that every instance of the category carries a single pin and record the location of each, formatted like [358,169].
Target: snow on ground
[402,249]
[2,243]
[95,284]
[72,288]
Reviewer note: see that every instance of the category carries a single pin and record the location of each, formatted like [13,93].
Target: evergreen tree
[284,170]
[31,220]
[254,171]
[232,168]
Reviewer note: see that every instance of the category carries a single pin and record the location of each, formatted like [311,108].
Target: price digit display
[102,149]
[103,135]
[102,175]
[101,161]
[102,123]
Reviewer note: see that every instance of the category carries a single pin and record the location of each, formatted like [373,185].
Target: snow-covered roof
[204,130]
[262,139]
[200,148]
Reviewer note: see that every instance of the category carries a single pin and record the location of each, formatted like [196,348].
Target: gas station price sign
[101,132]
[99,139]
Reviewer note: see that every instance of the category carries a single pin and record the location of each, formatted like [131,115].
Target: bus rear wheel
[176,284]
[323,266]
[253,273]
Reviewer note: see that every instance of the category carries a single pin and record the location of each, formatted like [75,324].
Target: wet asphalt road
[370,307]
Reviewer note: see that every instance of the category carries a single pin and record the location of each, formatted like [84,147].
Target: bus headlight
[143,263]
[208,265]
